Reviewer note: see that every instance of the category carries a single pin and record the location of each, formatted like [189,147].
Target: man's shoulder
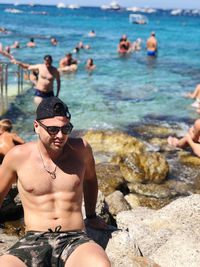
[78,143]
[19,153]
[23,149]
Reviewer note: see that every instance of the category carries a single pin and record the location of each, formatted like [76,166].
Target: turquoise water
[122,90]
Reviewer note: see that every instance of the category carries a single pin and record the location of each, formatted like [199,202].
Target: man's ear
[36,127]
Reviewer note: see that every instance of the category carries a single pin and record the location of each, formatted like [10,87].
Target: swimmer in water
[152,45]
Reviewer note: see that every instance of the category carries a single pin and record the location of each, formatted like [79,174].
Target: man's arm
[7,175]
[58,82]
[90,189]
[21,64]
[26,65]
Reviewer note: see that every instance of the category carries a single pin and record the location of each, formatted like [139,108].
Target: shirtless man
[31,43]
[47,75]
[7,139]
[192,139]
[124,45]
[52,176]
[152,45]
[68,63]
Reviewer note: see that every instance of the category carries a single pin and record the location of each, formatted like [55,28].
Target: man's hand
[14,61]
[97,223]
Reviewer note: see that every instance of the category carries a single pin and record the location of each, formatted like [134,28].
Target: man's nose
[60,134]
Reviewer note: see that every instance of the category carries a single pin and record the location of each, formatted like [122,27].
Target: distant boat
[151,10]
[13,10]
[105,7]
[138,19]
[176,12]
[196,12]
[114,5]
[73,7]
[61,5]
[133,9]
[16,4]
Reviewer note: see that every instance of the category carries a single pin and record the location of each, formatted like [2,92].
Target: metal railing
[5,73]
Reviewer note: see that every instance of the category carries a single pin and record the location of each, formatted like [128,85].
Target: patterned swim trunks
[42,249]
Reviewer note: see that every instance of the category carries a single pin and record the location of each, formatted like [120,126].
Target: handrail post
[1,79]
[6,84]
[18,79]
[6,79]
[22,79]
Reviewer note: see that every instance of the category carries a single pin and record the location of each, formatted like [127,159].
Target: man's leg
[89,254]
[11,261]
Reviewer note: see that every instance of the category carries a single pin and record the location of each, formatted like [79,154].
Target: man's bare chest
[38,180]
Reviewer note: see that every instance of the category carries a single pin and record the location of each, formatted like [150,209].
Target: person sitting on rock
[191,139]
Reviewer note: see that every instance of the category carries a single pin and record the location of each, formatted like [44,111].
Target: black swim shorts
[43,94]
[45,249]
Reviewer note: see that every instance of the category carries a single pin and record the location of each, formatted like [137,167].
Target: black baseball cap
[51,107]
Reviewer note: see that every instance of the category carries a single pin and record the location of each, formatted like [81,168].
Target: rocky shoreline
[148,194]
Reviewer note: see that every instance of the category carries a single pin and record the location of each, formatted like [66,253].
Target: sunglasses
[55,129]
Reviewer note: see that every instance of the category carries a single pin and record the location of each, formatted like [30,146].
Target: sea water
[121,90]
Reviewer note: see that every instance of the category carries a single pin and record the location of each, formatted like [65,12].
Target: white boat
[133,9]
[196,12]
[61,5]
[73,7]
[138,19]
[105,7]
[114,5]
[151,10]
[13,10]
[176,12]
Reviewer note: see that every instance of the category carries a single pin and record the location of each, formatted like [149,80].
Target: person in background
[81,46]
[152,45]
[124,45]
[15,45]
[7,139]
[53,175]
[53,41]
[90,65]
[5,52]
[137,44]
[68,64]
[92,33]
[46,76]
[31,43]
[192,139]
[3,29]
[195,94]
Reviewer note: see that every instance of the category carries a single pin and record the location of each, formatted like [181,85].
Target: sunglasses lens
[53,129]
[67,129]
